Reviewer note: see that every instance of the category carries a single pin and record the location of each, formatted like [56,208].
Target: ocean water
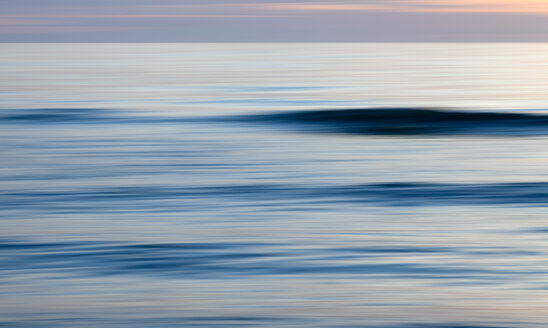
[274,185]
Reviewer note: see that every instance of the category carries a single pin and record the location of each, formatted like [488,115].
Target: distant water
[274,185]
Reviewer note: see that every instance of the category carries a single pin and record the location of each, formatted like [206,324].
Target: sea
[325,185]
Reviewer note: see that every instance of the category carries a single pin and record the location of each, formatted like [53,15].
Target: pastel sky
[273,20]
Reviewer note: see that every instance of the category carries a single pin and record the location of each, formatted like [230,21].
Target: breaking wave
[410,121]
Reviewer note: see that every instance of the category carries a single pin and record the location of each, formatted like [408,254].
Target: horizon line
[211,42]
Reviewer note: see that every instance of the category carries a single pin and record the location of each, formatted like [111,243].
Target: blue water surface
[274,185]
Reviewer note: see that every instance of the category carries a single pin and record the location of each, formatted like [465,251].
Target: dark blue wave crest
[410,121]
[370,121]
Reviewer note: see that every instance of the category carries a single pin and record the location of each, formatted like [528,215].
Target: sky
[273,21]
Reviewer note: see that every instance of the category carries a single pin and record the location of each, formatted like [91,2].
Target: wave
[410,121]
[369,121]
[383,194]
[41,115]
[81,116]
[231,259]
[393,194]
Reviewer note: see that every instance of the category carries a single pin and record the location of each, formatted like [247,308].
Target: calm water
[274,185]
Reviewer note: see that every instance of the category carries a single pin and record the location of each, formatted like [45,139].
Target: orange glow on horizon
[432,6]
[68,20]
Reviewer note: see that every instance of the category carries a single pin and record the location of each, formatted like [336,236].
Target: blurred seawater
[273,185]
